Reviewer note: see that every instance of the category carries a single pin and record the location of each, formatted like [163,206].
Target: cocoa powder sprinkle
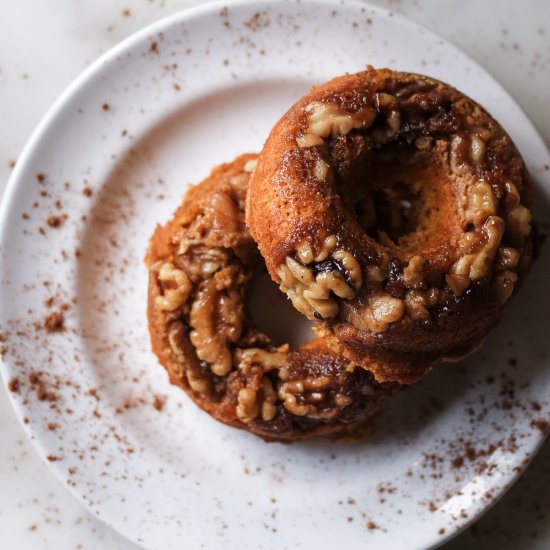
[55,221]
[54,322]
[53,458]
[14,385]
[158,402]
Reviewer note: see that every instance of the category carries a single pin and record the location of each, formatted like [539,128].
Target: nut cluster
[311,293]
[210,337]
[317,396]
[176,295]
[254,402]
[482,248]
[311,395]
[325,120]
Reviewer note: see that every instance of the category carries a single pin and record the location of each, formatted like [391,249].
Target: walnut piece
[311,294]
[172,298]
[216,320]
[327,120]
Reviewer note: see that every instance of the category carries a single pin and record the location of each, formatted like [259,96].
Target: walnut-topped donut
[396,212]
[200,268]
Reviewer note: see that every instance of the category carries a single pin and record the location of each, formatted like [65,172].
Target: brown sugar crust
[201,264]
[397,212]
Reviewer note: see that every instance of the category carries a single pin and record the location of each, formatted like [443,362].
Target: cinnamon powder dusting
[159,402]
[54,322]
[42,388]
[55,221]
[14,385]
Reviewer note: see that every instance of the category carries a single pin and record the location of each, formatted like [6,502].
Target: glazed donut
[201,265]
[397,212]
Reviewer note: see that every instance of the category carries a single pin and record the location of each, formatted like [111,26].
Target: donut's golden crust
[419,186]
[200,266]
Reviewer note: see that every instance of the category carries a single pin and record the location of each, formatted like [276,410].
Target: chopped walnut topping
[382,310]
[324,308]
[206,261]
[210,337]
[477,148]
[321,170]
[269,360]
[376,273]
[329,245]
[385,309]
[173,298]
[394,121]
[186,244]
[311,294]
[175,333]
[304,251]
[329,121]
[418,302]
[247,405]
[481,203]
[388,104]
[476,265]
[520,219]
[198,382]
[513,193]
[457,164]
[382,100]
[468,240]
[196,378]
[315,396]
[350,265]
[300,272]
[257,398]
[413,274]
[309,140]
[287,393]
[503,285]
[269,407]
[458,283]
[342,400]
[327,282]
[507,258]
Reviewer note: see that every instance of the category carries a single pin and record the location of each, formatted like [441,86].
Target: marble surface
[45,44]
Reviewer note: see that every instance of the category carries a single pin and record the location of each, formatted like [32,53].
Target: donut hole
[395,213]
[271,312]
[403,197]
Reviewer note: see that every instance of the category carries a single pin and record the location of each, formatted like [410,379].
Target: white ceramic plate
[112,159]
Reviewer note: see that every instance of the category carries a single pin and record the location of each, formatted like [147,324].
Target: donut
[201,265]
[396,212]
